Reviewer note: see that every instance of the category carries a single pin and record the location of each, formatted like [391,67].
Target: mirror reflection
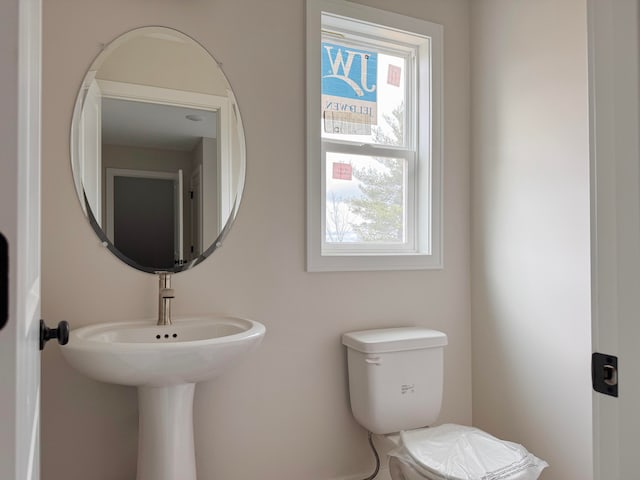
[157,150]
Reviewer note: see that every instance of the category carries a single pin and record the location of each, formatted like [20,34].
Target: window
[373,139]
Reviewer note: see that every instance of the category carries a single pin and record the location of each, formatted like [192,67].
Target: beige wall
[530,233]
[284,413]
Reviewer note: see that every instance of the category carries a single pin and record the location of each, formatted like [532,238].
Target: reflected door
[145,216]
[143,220]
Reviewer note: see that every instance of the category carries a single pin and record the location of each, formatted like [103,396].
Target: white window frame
[423,250]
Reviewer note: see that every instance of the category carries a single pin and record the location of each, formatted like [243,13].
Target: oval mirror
[157,150]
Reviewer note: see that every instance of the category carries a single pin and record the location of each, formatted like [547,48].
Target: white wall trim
[383,474]
[427,253]
[164,96]
[614,103]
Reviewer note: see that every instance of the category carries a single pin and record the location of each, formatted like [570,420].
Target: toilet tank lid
[394,339]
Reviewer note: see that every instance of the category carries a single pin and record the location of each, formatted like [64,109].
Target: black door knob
[61,333]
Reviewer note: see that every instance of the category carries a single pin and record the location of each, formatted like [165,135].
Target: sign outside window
[349,89]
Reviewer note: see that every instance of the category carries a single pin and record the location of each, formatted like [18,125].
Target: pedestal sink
[164,363]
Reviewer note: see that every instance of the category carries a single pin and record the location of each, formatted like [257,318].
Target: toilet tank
[395,377]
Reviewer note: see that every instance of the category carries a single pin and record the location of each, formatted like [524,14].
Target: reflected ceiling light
[194,117]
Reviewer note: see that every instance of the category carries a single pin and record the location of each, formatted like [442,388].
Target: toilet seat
[456,452]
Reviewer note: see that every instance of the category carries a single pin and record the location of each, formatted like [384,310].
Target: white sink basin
[140,353]
[165,363]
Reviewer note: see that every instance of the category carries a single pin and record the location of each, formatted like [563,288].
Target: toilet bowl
[395,388]
[457,452]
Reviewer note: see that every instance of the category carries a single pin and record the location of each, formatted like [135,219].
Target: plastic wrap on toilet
[456,452]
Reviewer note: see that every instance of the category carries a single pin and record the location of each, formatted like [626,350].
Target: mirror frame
[233,111]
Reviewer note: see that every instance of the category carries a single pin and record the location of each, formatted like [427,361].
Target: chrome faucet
[165,294]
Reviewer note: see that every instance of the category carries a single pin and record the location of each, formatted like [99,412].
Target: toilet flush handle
[373,360]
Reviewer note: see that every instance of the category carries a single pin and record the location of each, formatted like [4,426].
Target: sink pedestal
[172,358]
[165,434]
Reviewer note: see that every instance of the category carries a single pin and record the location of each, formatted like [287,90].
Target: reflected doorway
[144,216]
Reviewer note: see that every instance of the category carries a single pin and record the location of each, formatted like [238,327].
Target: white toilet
[395,386]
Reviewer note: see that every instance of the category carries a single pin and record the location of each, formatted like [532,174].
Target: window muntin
[401,140]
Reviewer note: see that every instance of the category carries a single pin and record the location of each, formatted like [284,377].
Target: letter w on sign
[349,79]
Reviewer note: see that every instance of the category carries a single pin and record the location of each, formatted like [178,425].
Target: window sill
[360,263]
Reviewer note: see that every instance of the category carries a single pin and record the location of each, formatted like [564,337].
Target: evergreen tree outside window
[373,139]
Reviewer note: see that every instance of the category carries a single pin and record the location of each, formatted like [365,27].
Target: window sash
[346,36]
[410,209]
[407,151]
